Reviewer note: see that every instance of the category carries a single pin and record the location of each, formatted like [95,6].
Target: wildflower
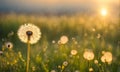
[64,39]
[73,52]
[9,45]
[29,29]
[88,54]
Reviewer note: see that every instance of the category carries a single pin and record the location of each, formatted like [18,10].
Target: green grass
[90,32]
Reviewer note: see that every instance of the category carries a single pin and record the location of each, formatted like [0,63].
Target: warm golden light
[103,12]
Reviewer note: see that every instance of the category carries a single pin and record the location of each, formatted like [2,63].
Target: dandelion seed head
[65,63]
[73,52]
[88,54]
[9,45]
[64,39]
[107,57]
[29,30]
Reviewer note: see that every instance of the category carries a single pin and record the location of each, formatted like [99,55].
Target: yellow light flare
[103,12]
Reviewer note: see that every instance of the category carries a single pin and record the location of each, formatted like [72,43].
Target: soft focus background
[88,24]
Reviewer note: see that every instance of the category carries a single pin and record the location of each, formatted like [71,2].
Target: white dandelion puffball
[107,57]
[63,39]
[88,54]
[65,63]
[9,45]
[35,33]
[73,52]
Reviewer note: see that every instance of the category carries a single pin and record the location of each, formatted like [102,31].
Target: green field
[48,55]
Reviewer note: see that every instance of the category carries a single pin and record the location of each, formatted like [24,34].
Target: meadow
[84,32]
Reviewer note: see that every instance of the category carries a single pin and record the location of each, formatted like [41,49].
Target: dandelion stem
[28,56]
[88,64]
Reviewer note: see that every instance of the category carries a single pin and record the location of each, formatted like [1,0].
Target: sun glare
[103,12]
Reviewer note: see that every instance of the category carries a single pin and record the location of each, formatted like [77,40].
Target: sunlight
[103,11]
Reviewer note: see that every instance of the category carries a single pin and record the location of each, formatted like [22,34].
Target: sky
[55,5]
